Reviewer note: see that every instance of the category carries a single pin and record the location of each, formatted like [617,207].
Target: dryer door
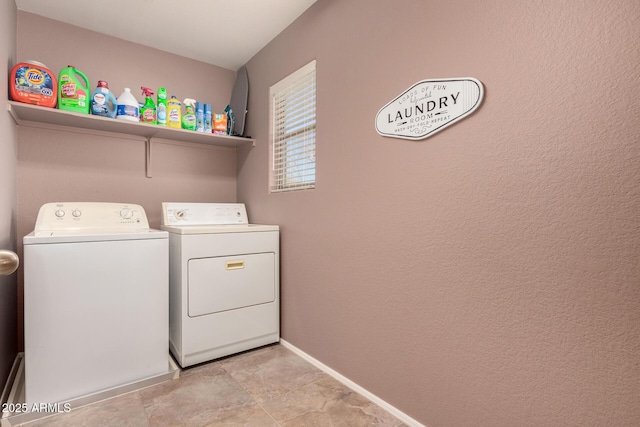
[230,282]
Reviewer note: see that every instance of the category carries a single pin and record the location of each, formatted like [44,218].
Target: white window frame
[292,139]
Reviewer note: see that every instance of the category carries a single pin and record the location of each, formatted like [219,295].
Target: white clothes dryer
[224,281]
[96,300]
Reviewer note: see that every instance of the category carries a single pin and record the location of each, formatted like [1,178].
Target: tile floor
[269,386]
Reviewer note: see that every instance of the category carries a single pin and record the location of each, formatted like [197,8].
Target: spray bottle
[148,110]
[207,119]
[189,118]
[199,117]
[162,106]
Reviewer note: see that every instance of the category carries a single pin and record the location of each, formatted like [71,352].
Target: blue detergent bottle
[103,102]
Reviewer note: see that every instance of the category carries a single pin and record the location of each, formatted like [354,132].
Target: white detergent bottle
[128,106]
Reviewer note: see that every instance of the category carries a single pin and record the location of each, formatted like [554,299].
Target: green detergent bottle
[73,90]
[148,110]
[189,118]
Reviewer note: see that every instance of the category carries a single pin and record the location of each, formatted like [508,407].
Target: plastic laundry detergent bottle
[128,107]
[73,90]
[189,118]
[103,101]
[174,113]
[148,110]
[33,83]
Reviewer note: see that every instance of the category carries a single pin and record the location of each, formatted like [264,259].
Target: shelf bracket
[14,116]
[148,152]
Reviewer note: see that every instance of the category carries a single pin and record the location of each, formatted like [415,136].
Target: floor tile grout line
[268,413]
[288,392]
[324,377]
[250,394]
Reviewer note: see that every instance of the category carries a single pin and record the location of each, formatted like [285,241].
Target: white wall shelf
[36,116]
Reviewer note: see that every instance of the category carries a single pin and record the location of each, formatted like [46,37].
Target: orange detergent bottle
[33,83]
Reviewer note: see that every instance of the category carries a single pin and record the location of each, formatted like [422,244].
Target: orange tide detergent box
[33,83]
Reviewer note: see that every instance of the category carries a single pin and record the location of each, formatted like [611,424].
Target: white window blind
[293,133]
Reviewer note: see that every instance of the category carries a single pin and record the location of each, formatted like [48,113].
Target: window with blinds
[293,132]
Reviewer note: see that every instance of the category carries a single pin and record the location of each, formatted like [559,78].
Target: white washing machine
[96,300]
[224,280]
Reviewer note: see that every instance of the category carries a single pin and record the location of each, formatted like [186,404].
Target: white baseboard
[353,386]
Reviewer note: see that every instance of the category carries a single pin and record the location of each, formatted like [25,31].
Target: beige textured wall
[8,160]
[488,275]
[56,165]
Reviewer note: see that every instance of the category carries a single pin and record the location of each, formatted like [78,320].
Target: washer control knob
[126,213]
[76,213]
[59,213]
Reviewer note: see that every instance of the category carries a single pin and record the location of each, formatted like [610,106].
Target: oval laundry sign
[428,107]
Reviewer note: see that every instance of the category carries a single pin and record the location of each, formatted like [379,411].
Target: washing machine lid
[83,236]
[61,222]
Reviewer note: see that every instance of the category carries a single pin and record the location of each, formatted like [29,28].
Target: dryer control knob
[180,214]
[59,213]
[126,213]
[76,213]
